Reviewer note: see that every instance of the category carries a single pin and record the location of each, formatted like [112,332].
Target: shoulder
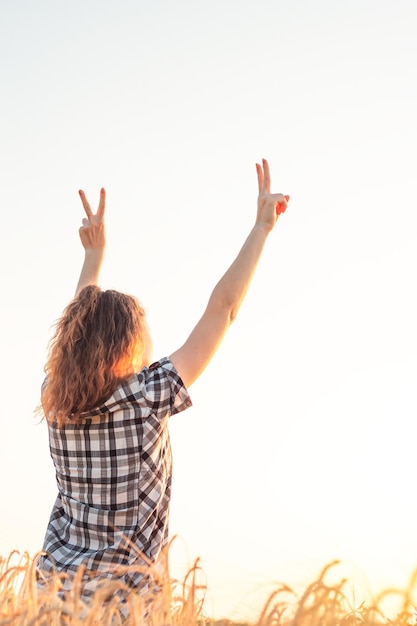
[164,367]
[162,382]
[157,386]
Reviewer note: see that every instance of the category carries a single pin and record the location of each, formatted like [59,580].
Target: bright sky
[300,445]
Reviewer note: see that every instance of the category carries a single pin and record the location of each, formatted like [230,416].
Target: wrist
[263,227]
[96,251]
[94,254]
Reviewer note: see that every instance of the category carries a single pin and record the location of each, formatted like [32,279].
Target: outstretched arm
[224,303]
[93,238]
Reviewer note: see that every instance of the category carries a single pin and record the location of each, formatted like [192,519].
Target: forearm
[231,289]
[90,271]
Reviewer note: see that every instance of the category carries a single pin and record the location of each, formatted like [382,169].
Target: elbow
[224,306]
[231,308]
[233,311]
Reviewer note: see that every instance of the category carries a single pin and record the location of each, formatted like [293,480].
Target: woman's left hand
[93,231]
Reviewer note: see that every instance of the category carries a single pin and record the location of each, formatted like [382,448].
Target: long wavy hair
[94,347]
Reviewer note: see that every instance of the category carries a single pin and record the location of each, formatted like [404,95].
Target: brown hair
[93,348]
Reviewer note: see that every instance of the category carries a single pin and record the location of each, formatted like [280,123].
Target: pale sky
[300,446]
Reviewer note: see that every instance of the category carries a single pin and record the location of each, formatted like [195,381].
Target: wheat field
[182,602]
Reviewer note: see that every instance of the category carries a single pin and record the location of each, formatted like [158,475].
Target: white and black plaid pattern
[113,471]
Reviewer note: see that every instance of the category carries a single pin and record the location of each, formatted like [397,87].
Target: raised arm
[224,303]
[93,237]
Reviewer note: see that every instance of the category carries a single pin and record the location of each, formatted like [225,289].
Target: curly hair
[93,348]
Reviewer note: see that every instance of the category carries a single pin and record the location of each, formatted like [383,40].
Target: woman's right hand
[93,231]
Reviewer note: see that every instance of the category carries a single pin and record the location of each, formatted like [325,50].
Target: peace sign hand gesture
[270,205]
[93,238]
[93,232]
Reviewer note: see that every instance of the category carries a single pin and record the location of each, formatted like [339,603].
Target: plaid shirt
[114,471]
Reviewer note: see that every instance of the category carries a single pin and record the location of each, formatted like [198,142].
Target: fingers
[101,205]
[260,174]
[86,204]
[267,176]
[264,177]
[281,203]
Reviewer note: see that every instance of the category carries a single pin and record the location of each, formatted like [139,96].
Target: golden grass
[181,602]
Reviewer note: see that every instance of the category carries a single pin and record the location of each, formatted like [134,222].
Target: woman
[107,407]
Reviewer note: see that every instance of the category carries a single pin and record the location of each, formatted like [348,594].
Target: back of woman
[107,406]
[114,470]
